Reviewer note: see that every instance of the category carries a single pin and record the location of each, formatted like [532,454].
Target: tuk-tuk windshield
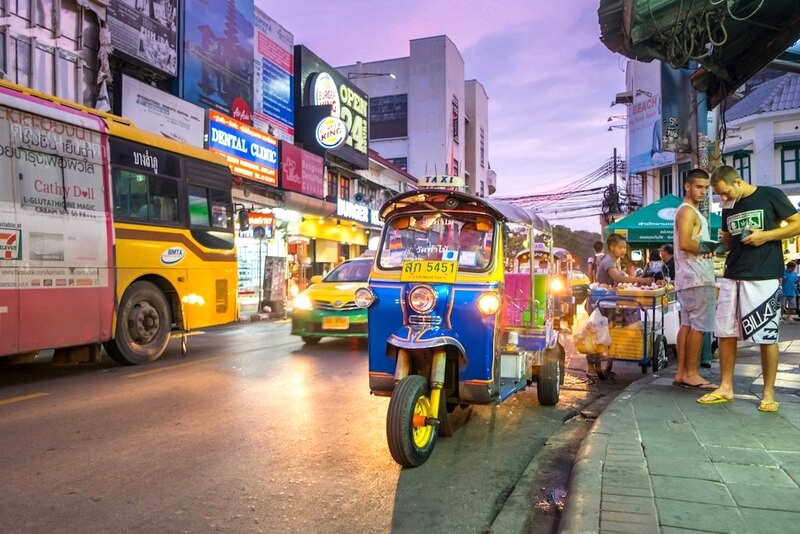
[462,237]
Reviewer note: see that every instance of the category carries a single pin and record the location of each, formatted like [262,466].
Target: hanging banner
[146,31]
[677,130]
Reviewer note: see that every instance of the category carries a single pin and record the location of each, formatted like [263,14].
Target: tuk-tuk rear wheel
[548,389]
[411,444]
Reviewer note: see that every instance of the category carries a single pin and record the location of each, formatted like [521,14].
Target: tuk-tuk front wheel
[411,440]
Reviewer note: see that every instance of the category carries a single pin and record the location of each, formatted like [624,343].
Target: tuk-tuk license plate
[335,323]
[429,271]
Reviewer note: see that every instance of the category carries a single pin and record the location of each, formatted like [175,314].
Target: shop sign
[263,224]
[357,212]
[302,171]
[250,153]
[318,85]
[161,113]
[331,132]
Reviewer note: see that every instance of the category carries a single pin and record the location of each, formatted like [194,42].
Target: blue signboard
[250,153]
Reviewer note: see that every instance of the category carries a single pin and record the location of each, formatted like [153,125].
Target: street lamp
[356,75]
[614,117]
[620,126]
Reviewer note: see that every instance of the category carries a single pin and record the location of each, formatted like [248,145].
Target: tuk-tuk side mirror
[244,220]
[316,279]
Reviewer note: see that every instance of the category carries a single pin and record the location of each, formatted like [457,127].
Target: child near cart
[789,290]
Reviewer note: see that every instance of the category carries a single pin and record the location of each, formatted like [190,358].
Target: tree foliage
[578,242]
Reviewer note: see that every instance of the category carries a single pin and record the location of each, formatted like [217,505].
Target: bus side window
[130,194]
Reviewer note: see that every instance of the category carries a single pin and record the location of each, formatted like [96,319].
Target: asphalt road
[255,432]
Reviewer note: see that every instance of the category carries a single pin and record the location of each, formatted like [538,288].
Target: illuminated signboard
[357,212]
[251,154]
[318,86]
[262,224]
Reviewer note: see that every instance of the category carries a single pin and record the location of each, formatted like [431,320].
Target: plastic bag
[594,336]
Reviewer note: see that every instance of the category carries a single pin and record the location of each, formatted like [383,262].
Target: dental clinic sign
[357,212]
[250,153]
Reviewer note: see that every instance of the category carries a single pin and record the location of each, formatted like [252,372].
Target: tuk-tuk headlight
[302,302]
[364,297]
[557,285]
[422,299]
[489,303]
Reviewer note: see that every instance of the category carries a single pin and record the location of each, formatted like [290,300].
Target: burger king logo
[326,93]
[331,132]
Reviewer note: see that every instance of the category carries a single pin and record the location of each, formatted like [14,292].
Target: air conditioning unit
[358,198]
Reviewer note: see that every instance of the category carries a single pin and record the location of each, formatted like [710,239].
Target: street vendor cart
[636,326]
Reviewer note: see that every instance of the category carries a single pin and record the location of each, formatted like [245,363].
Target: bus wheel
[411,441]
[143,325]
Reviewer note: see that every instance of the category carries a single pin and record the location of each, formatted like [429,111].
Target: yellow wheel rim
[422,434]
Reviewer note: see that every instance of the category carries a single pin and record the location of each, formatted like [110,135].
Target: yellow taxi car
[327,309]
[580,285]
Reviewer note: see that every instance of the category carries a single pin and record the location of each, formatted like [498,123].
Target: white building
[424,117]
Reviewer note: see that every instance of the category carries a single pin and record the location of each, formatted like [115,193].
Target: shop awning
[654,222]
[731,40]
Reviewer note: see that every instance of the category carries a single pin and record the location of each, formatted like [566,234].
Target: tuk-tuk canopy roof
[654,222]
[447,200]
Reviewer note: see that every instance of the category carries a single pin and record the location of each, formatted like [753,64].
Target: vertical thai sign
[273,96]
[302,171]
[218,56]
[644,119]
[676,106]
[146,30]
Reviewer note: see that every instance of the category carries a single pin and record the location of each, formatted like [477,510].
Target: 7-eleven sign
[10,244]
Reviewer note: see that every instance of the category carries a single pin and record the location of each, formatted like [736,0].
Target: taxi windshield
[350,271]
[461,237]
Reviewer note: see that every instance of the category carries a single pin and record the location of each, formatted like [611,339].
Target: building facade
[424,117]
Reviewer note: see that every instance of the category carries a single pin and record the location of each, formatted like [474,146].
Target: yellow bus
[108,234]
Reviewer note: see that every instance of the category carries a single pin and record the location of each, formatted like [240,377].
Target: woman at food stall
[609,271]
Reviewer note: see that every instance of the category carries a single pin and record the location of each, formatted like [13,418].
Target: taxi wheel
[548,390]
[410,445]
[310,340]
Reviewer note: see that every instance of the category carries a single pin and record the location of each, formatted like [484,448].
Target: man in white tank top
[694,280]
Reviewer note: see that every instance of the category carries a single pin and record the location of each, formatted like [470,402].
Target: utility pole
[615,168]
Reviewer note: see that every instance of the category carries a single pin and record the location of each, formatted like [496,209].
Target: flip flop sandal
[713,398]
[769,406]
[703,386]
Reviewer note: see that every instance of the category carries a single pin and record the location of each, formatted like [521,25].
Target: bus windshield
[462,237]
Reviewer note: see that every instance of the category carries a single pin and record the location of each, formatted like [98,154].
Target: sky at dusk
[549,79]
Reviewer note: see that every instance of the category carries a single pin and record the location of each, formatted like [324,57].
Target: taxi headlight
[364,297]
[302,302]
[489,303]
[422,299]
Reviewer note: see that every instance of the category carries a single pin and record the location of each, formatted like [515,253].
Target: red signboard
[265,221]
[302,171]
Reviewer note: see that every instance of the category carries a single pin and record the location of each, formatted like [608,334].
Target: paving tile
[699,516]
[630,481]
[736,455]
[695,469]
[722,438]
[625,517]
[754,475]
[700,491]
[770,520]
[627,528]
[786,457]
[623,490]
[765,497]
[608,498]
[794,473]
[646,507]
[662,450]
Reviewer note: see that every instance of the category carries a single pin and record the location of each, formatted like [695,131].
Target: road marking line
[12,400]
[171,367]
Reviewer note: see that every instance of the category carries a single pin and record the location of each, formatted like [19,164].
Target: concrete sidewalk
[656,461]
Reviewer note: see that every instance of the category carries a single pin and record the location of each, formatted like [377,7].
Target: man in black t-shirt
[749,306]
